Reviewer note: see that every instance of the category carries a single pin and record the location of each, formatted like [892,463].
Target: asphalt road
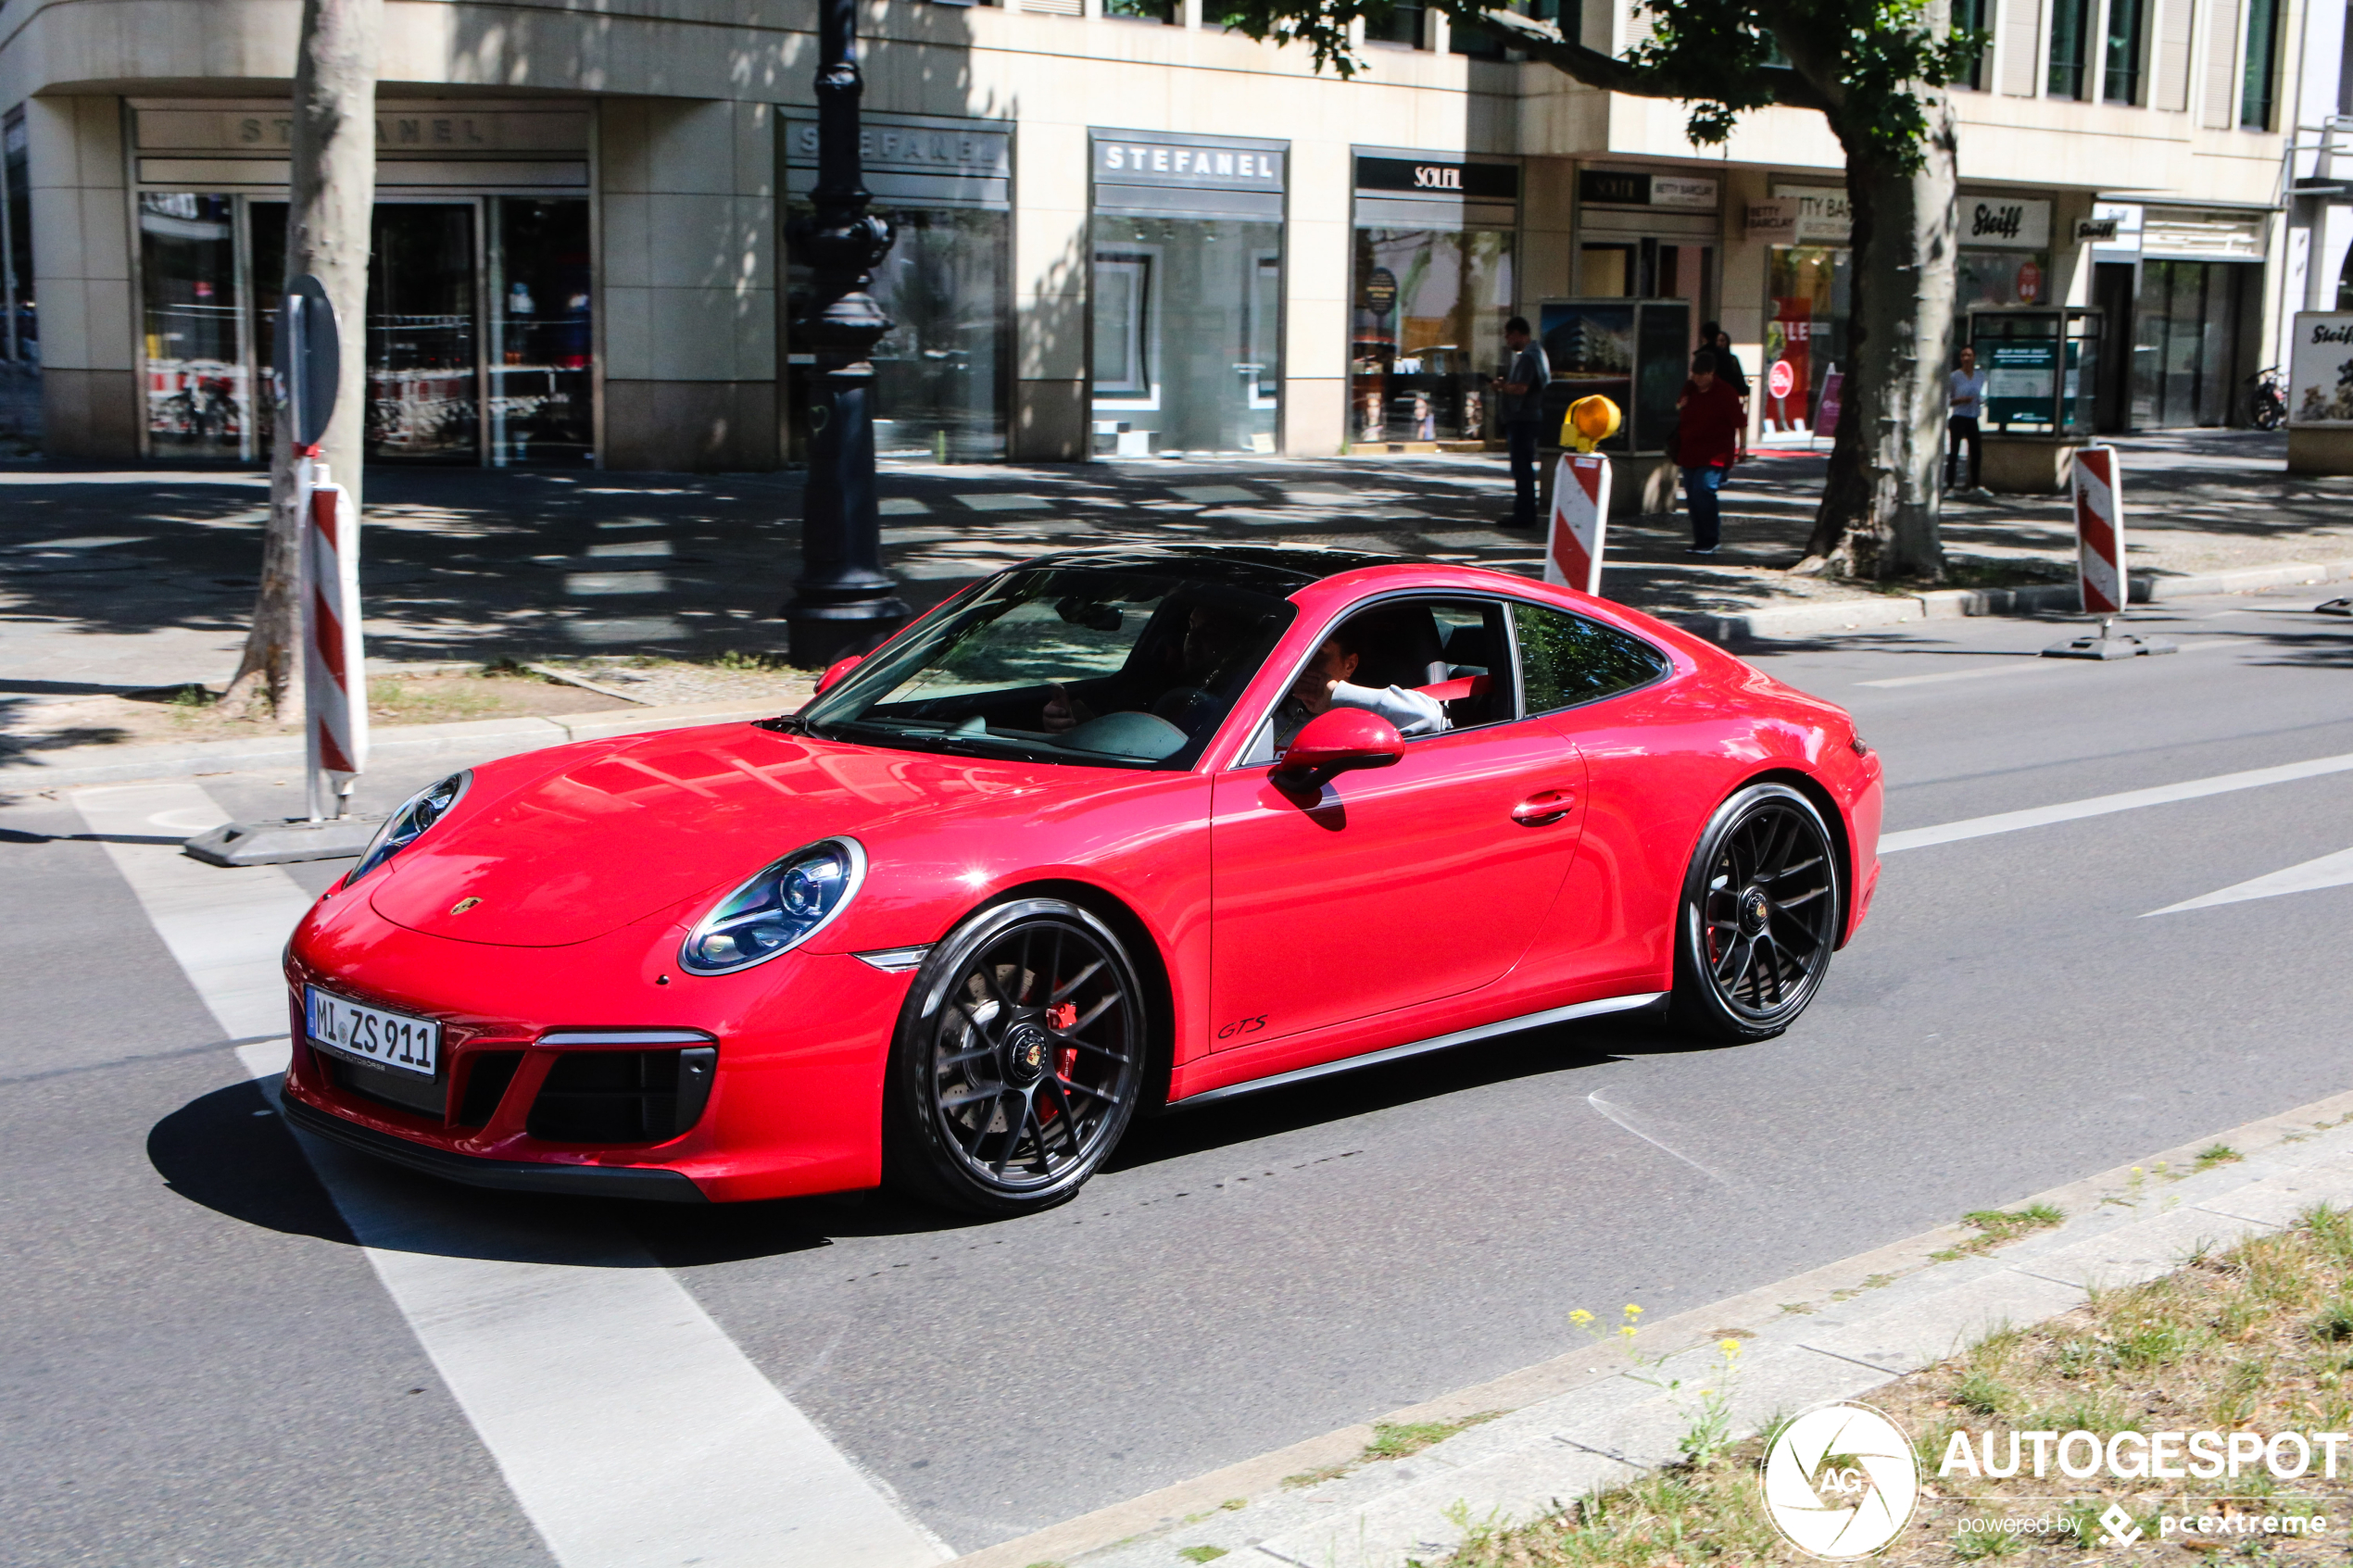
[200,1366]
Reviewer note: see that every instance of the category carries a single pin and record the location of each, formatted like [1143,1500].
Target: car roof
[1278,570]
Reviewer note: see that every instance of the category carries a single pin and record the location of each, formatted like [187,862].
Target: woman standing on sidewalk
[1969,402]
[1707,439]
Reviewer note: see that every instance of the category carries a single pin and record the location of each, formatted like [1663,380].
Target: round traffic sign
[1781,380]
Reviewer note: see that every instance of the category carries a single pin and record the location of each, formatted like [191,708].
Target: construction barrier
[2099,530]
[334,668]
[1581,517]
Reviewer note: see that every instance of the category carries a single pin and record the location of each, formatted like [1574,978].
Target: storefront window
[938,388]
[541,392]
[19,330]
[1188,317]
[212,320]
[1808,295]
[2002,277]
[2185,342]
[197,400]
[1429,319]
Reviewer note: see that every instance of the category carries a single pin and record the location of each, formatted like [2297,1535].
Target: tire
[1017,1062]
[1759,916]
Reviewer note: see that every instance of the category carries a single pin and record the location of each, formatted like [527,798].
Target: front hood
[563,845]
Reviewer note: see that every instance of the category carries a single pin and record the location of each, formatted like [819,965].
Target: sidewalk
[114,582]
[1597,1418]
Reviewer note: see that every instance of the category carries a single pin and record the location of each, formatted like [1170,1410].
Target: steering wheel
[1188,708]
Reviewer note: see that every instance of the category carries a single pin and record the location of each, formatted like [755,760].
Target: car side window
[1453,652]
[1566,660]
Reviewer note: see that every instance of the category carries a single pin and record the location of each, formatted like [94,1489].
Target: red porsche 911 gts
[1112,830]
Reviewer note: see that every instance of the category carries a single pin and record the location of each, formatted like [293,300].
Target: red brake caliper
[1061,1016]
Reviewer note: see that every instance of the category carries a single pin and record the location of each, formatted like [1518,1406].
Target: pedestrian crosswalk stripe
[633,1433]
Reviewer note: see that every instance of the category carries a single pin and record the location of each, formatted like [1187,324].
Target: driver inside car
[1324,685]
[1214,640]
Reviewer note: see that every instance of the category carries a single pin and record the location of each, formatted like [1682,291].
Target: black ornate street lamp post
[842,604]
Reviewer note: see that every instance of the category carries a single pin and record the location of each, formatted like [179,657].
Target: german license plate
[387,1039]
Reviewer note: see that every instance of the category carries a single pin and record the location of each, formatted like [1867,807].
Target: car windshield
[1108,666]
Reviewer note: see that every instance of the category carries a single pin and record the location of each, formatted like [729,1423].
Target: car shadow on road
[231,1152]
[1361,1091]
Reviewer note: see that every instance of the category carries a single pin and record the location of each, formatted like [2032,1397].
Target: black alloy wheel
[1759,918]
[1018,1060]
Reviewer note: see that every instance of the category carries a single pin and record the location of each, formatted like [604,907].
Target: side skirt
[1437,1043]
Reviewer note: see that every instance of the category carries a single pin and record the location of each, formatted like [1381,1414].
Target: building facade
[1122,229]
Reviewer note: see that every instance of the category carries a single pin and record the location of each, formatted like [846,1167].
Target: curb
[1943,604]
[474,740]
[1580,1423]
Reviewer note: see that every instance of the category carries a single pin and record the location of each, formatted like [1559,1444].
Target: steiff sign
[2005,223]
[2319,369]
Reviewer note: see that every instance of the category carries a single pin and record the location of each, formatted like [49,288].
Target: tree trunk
[332,195]
[1878,517]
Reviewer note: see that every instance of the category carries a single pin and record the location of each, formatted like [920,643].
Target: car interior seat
[1400,647]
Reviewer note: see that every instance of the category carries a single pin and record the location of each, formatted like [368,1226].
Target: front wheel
[1018,1060]
[1758,919]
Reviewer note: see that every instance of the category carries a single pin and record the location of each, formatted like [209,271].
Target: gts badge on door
[1243,1026]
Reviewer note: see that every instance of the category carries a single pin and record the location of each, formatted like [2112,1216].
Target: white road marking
[1626,1121]
[2102,805]
[2329,871]
[2017,667]
[2022,666]
[632,1431]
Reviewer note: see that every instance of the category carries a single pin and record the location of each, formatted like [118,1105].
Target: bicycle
[2267,398]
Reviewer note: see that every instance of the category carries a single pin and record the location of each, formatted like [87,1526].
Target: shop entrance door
[2112,285]
[424,362]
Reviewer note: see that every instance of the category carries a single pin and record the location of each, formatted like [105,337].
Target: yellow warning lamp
[1591,421]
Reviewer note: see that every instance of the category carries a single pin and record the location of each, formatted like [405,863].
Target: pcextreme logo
[1841,1482]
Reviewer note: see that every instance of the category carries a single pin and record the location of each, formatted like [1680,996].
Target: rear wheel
[1759,916]
[1018,1059]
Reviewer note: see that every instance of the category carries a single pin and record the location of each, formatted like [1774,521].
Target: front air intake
[622,1097]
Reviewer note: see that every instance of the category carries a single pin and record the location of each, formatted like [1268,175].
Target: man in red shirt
[1706,441]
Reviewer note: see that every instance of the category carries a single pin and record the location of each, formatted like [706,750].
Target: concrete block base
[2320,450]
[2028,465]
[709,427]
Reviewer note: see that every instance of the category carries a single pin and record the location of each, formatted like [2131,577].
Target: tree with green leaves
[1877,72]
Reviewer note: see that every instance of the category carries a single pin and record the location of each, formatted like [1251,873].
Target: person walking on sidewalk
[1718,342]
[1969,403]
[1521,409]
[1708,442]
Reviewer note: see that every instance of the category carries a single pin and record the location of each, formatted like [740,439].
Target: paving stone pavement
[114,581]
[2120,1229]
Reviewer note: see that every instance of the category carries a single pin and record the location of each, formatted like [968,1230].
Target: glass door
[424,368]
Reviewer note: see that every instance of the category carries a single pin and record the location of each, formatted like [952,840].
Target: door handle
[1544,807]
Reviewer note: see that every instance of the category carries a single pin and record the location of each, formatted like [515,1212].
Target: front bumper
[507,1176]
[794,1106]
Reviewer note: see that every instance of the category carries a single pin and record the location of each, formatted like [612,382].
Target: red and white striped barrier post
[334,668]
[2099,532]
[1581,517]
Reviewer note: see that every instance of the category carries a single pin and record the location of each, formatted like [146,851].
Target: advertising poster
[2321,369]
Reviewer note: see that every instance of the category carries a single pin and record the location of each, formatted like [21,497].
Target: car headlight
[777,910]
[405,826]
